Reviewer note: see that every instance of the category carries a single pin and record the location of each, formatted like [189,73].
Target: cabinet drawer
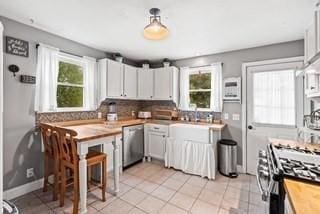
[158,128]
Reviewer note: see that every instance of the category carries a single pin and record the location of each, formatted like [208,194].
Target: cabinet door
[102,80]
[157,142]
[130,82]
[145,83]
[311,39]
[115,79]
[163,83]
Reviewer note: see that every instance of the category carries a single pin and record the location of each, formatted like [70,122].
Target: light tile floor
[152,188]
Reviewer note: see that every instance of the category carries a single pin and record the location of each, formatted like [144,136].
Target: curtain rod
[37,45]
[203,65]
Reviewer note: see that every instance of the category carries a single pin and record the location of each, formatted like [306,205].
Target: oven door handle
[263,192]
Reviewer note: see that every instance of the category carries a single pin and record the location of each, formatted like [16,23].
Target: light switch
[226,116]
[235,116]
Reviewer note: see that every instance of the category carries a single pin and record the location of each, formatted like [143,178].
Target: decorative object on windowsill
[14,69]
[17,47]
[28,79]
[232,89]
[166,62]
[118,57]
[155,30]
[312,121]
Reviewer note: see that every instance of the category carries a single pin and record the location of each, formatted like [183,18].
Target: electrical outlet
[30,173]
[226,116]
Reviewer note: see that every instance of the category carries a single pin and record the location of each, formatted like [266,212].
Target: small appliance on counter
[112,112]
[312,121]
[144,115]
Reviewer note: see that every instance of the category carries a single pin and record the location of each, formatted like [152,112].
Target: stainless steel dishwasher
[133,144]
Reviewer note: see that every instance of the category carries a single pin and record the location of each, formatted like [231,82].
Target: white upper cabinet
[166,83]
[312,38]
[145,83]
[114,79]
[130,82]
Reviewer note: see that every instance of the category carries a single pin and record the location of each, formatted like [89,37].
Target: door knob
[250,127]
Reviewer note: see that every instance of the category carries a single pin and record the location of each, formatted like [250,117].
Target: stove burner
[295,168]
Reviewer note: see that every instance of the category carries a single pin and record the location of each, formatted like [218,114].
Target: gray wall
[232,65]
[22,148]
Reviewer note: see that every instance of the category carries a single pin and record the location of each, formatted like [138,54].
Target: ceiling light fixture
[155,30]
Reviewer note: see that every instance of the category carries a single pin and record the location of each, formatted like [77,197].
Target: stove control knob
[263,161]
[262,154]
[263,168]
[264,174]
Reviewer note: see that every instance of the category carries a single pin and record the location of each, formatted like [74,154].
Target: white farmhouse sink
[190,132]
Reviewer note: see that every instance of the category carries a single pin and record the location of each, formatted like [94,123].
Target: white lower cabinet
[155,140]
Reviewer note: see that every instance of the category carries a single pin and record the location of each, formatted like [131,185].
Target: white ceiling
[196,26]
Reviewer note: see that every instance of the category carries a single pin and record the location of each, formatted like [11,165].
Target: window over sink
[201,87]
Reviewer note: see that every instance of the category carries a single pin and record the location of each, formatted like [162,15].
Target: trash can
[227,158]
[9,207]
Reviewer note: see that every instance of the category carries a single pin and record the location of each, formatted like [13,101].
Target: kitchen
[140,107]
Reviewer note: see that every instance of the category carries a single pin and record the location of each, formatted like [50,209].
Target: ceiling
[197,27]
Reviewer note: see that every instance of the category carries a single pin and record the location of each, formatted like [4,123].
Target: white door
[163,83]
[157,145]
[145,83]
[114,79]
[130,82]
[1,116]
[274,106]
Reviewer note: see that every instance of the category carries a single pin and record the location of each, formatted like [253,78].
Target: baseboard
[239,169]
[23,189]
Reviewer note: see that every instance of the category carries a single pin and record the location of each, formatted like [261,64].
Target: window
[70,84]
[274,97]
[200,88]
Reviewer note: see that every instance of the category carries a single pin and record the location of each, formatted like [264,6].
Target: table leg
[116,165]
[82,152]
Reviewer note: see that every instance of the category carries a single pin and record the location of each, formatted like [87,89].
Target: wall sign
[17,46]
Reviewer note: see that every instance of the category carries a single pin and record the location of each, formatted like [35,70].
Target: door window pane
[274,97]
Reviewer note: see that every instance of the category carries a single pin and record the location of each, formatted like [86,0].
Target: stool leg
[63,185]
[76,195]
[56,180]
[46,173]
[104,179]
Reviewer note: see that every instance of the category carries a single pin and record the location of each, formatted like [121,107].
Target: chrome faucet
[196,117]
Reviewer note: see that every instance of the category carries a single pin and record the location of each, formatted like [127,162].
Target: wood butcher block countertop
[99,128]
[303,196]
[95,129]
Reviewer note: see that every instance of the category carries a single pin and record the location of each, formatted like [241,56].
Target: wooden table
[93,133]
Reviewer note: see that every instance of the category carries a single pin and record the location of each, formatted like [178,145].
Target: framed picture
[17,47]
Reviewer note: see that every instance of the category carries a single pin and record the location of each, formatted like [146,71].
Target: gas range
[285,161]
[299,163]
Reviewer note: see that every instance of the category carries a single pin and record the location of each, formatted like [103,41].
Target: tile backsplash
[124,109]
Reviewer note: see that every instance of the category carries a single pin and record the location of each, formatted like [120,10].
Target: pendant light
[155,30]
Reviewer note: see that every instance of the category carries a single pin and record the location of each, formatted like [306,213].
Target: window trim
[199,71]
[67,58]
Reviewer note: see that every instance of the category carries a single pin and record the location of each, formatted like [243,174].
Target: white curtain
[274,97]
[184,89]
[216,101]
[90,80]
[47,77]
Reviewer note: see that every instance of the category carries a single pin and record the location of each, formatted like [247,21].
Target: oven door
[271,188]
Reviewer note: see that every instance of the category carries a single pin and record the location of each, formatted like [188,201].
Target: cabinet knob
[163,136]
[121,95]
[125,95]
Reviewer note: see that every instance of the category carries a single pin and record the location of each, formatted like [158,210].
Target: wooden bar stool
[51,154]
[69,160]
